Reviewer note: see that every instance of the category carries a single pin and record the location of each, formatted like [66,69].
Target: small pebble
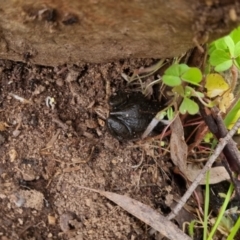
[50,235]
[16,133]
[12,155]
[59,82]
[51,220]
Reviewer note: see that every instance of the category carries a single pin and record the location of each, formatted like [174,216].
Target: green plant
[219,220]
[178,73]
[222,223]
[225,52]
[212,88]
[175,76]
[206,207]
[185,81]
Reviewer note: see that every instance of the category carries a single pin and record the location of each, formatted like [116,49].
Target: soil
[53,140]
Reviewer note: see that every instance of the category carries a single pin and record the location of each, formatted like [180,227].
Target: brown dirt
[46,154]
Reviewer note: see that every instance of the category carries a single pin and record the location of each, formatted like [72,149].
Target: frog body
[130,115]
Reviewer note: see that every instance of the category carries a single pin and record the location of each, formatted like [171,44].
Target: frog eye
[118,99]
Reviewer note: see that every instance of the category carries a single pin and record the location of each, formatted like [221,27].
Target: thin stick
[211,160]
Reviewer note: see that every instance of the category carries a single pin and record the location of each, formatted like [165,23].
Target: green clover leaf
[192,75]
[189,106]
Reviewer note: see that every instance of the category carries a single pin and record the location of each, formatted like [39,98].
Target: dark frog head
[130,115]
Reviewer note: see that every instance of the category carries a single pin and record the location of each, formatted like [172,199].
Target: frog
[130,114]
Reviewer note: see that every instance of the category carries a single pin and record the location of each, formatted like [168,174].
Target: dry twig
[216,153]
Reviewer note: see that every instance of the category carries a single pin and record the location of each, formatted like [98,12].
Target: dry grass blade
[145,214]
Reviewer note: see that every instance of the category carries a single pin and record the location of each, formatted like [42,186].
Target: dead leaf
[215,85]
[178,146]
[145,214]
[217,174]
[225,101]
